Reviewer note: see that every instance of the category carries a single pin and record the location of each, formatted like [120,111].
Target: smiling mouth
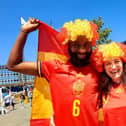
[114,72]
[82,54]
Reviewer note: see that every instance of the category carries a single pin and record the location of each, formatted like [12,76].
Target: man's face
[81,48]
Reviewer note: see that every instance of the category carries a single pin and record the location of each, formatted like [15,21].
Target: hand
[52,121]
[31,25]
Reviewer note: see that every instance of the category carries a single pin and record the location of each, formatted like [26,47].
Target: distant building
[9,78]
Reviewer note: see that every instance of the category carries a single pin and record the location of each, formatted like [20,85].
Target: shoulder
[48,67]
[90,69]
[50,63]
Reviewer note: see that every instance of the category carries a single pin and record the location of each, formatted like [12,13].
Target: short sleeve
[46,68]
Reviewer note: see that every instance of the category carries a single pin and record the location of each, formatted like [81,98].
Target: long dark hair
[105,84]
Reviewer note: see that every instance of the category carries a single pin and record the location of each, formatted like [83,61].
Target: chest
[116,98]
[73,81]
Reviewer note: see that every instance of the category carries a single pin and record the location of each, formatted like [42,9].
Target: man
[12,101]
[72,83]
[7,100]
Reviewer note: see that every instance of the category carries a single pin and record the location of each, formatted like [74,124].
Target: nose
[113,66]
[82,50]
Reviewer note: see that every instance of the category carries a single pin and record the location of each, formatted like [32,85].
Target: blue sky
[113,13]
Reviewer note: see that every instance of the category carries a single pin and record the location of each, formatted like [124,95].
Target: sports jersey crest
[78,87]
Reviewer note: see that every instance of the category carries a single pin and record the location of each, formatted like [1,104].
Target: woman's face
[114,68]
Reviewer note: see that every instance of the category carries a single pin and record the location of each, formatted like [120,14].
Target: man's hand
[31,25]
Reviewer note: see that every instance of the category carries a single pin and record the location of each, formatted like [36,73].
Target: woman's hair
[99,56]
[105,84]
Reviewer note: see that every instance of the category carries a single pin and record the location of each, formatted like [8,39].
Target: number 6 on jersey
[76,108]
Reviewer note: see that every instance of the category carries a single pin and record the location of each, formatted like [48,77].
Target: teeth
[115,71]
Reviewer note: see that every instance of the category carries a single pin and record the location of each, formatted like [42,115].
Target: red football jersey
[114,107]
[73,93]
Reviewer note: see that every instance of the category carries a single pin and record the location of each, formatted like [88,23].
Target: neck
[79,63]
[118,81]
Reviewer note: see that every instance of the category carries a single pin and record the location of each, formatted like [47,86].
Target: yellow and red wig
[71,30]
[107,51]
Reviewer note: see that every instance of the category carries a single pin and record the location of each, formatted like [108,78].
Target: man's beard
[77,61]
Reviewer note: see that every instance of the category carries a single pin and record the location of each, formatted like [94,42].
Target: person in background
[12,101]
[22,98]
[7,99]
[72,83]
[30,96]
[110,61]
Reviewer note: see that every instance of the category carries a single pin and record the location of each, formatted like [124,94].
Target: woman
[110,61]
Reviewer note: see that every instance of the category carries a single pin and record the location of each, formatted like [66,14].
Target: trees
[103,32]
